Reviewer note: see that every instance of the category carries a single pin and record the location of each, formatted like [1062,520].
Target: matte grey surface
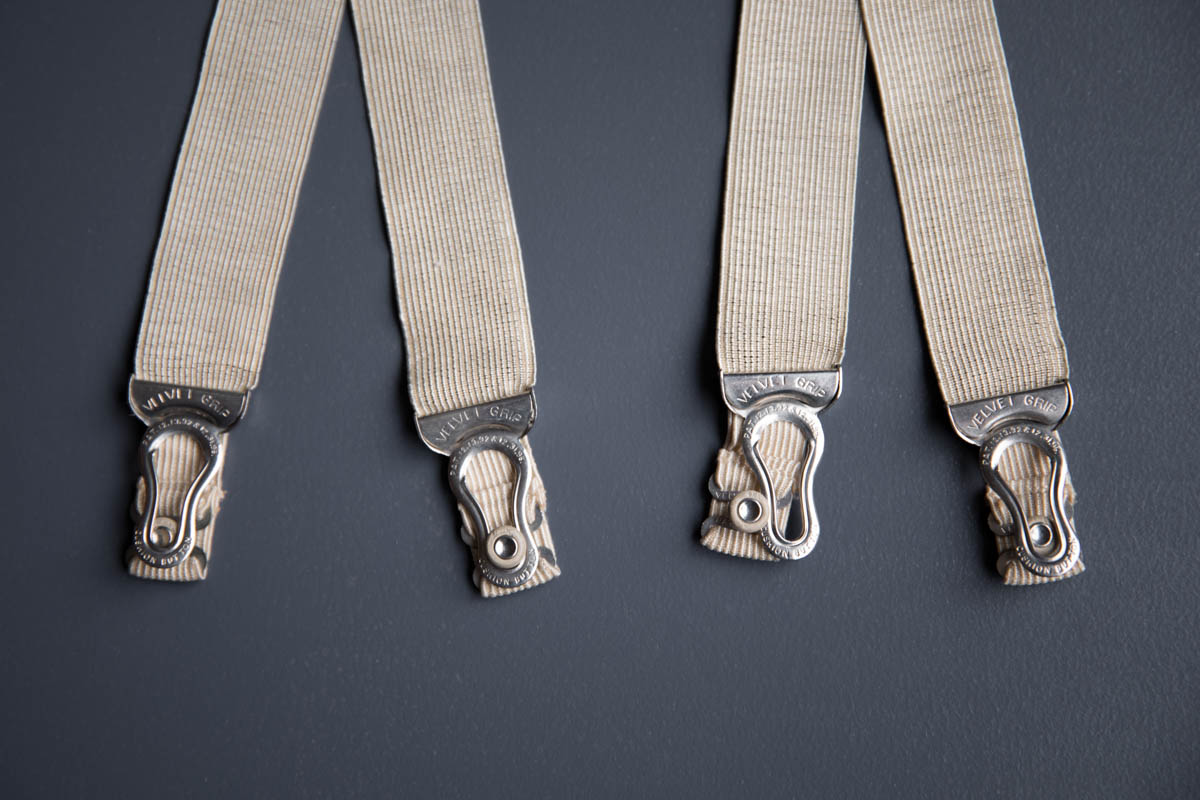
[338,648]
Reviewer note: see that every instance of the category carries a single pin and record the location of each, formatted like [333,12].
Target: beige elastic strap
[973,236]
[228,218]
[972,231]
[964,188]
[459,276]
[788,223]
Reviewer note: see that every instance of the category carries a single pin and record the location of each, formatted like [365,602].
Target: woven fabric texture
[973,237]
[229,214]
[233,198]
[454,242]
[458,272]
[458,268]
[789,186]
[788,223]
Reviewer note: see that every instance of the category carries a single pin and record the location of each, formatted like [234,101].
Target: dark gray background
[338,648]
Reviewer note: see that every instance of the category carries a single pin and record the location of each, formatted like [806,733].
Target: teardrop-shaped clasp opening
[1046,547]
[805,419]
[160,540]
[507,555]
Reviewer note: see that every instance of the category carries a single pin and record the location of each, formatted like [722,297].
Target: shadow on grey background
[338,648]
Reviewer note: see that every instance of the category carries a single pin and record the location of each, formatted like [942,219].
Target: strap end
[499,491]
[1029,490]
[765,471]
[180,461]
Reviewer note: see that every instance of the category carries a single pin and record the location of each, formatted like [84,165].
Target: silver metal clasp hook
[506,555]
[1045,546]
[204,415]
[763,399]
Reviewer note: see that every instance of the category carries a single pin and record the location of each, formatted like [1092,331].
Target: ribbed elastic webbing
[972,231]
[459,276]
[789,186]
[976,250]
[228,218]
[233,198]
[441,171]
[788,222]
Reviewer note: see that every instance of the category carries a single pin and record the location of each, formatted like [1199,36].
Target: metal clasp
[762,399]
[1046,546]
[161,540]
[506,555]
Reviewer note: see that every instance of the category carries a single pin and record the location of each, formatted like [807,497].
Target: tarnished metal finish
[204,415]
[763,399]
[748,511]
[506,555]
[1045,547]
[151,400]
[442,432]
[1047,407]
[814,389]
